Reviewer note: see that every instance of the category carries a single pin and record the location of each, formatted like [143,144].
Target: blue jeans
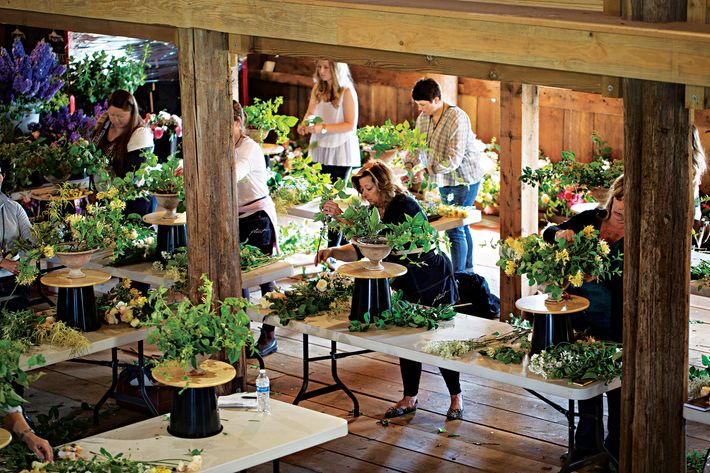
[460,237]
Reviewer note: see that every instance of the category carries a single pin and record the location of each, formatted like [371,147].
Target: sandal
[396,411]
[454,414]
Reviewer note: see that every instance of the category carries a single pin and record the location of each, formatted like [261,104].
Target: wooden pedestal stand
[371,291]
[5,438]
[76,303]
[172,232]
[194,411]
[551,323]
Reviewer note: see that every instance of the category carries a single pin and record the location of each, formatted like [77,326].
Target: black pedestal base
[76,306]
[194,413]
[170,238]
[370,295]
[550,330]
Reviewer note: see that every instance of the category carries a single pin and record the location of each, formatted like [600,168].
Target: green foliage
[695,461]
[505,354]
[389,136]
[185,330]
[407,314]
[11,375]
[175,267]
[92,79]
[301,183]
[415,234]
[559,263]
[296,238]
[361,221]
[160,178]
[579,362]
[694,373]
[252,258]
[262,116]
[327,292]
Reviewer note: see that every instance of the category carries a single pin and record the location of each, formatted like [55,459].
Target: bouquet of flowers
[123,304]
[28,82]
[61,126]
[163,122]
[556,264]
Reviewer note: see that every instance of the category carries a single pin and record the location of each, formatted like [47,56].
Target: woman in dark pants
[603,319]
[429,279]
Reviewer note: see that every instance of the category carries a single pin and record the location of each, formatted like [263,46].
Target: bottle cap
[262,371]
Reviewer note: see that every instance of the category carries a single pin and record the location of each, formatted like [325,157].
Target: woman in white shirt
[334,142]
[257,213]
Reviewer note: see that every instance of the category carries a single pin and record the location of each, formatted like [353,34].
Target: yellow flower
[100,195]
[509,268]
[509,241]
[562,255]
[604,247]
[72,219]
[589,232]
[117,204]
[140,301]
[518,248]
[48,251]
[577,279]
[545,199]
[134,292]
[112,192]
[126,284]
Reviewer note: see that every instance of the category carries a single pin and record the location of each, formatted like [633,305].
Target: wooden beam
[210,172]
[563,40]
[612,7]
[167,34]
[519,131]
[422,64]
[697,13]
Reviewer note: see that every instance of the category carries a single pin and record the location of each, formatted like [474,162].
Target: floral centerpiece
[125,304]
[163,122]
[262,116]
[556,265]
[28,82]
[162,180]
[76,232]
[387,139]
[579,362]
[186,330]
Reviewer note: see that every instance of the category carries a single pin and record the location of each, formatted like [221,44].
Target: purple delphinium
[60,125]
[29,80]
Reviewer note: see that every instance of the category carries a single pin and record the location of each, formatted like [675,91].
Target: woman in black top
[429,279]
[603,319]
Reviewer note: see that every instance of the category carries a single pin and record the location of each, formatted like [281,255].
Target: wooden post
[519,126]
[658,220]
[210,173]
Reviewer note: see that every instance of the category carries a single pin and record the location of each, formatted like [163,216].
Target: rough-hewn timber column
[658,195]
[210,174]
[519,125]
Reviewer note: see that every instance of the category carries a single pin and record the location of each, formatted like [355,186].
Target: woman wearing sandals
[429,279]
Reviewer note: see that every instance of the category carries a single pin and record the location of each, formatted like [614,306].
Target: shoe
[267,348]
[396,411]
[454,414]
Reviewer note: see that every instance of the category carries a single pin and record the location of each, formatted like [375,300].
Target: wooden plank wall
[567,118]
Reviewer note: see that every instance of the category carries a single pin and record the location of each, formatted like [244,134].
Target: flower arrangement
[263,117]
[134,243]
[301,183]
[162,122]
[29,329]
[66,158]
[557,264]
[407,314]
[61,126]
[390,136]
[11,376]
[579,362]
[186,330]
[76,231]
[94,77]
[556,192]
[175,267]
[28,82]
[326,293]
[160,178]
[123,304]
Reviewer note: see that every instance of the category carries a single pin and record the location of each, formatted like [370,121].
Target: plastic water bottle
[262,393]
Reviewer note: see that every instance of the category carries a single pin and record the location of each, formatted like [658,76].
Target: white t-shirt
[251,171]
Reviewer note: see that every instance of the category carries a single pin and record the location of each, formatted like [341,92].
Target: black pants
[258,230]
[412,373]
[585,436]
[336,172]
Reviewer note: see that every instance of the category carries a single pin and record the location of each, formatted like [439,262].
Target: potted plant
[185,331]
[389,140]
[164,181]
[362,225]
[556,265]
[262,117]
[12,376]
[166,130]
[94,77]
[28,82]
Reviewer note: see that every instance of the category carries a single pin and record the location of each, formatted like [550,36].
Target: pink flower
[488,210]
[178,131]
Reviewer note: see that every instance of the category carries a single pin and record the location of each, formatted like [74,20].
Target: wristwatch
[323,131]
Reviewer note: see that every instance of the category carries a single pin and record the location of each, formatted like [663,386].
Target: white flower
[322,285]
[195,464]
[121,306]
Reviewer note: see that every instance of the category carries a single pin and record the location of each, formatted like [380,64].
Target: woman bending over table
[429,279]
[603,318]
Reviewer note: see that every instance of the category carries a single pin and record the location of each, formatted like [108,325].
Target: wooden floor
[505,429]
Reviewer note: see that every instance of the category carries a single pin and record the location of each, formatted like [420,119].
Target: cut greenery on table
[186,330]
[390,136]
[407,314]
[579,362]
[326,293]
[28,329]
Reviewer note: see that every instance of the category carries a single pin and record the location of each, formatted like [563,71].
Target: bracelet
[24,433]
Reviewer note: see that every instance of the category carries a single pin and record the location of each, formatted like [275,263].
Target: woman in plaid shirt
[453,159]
